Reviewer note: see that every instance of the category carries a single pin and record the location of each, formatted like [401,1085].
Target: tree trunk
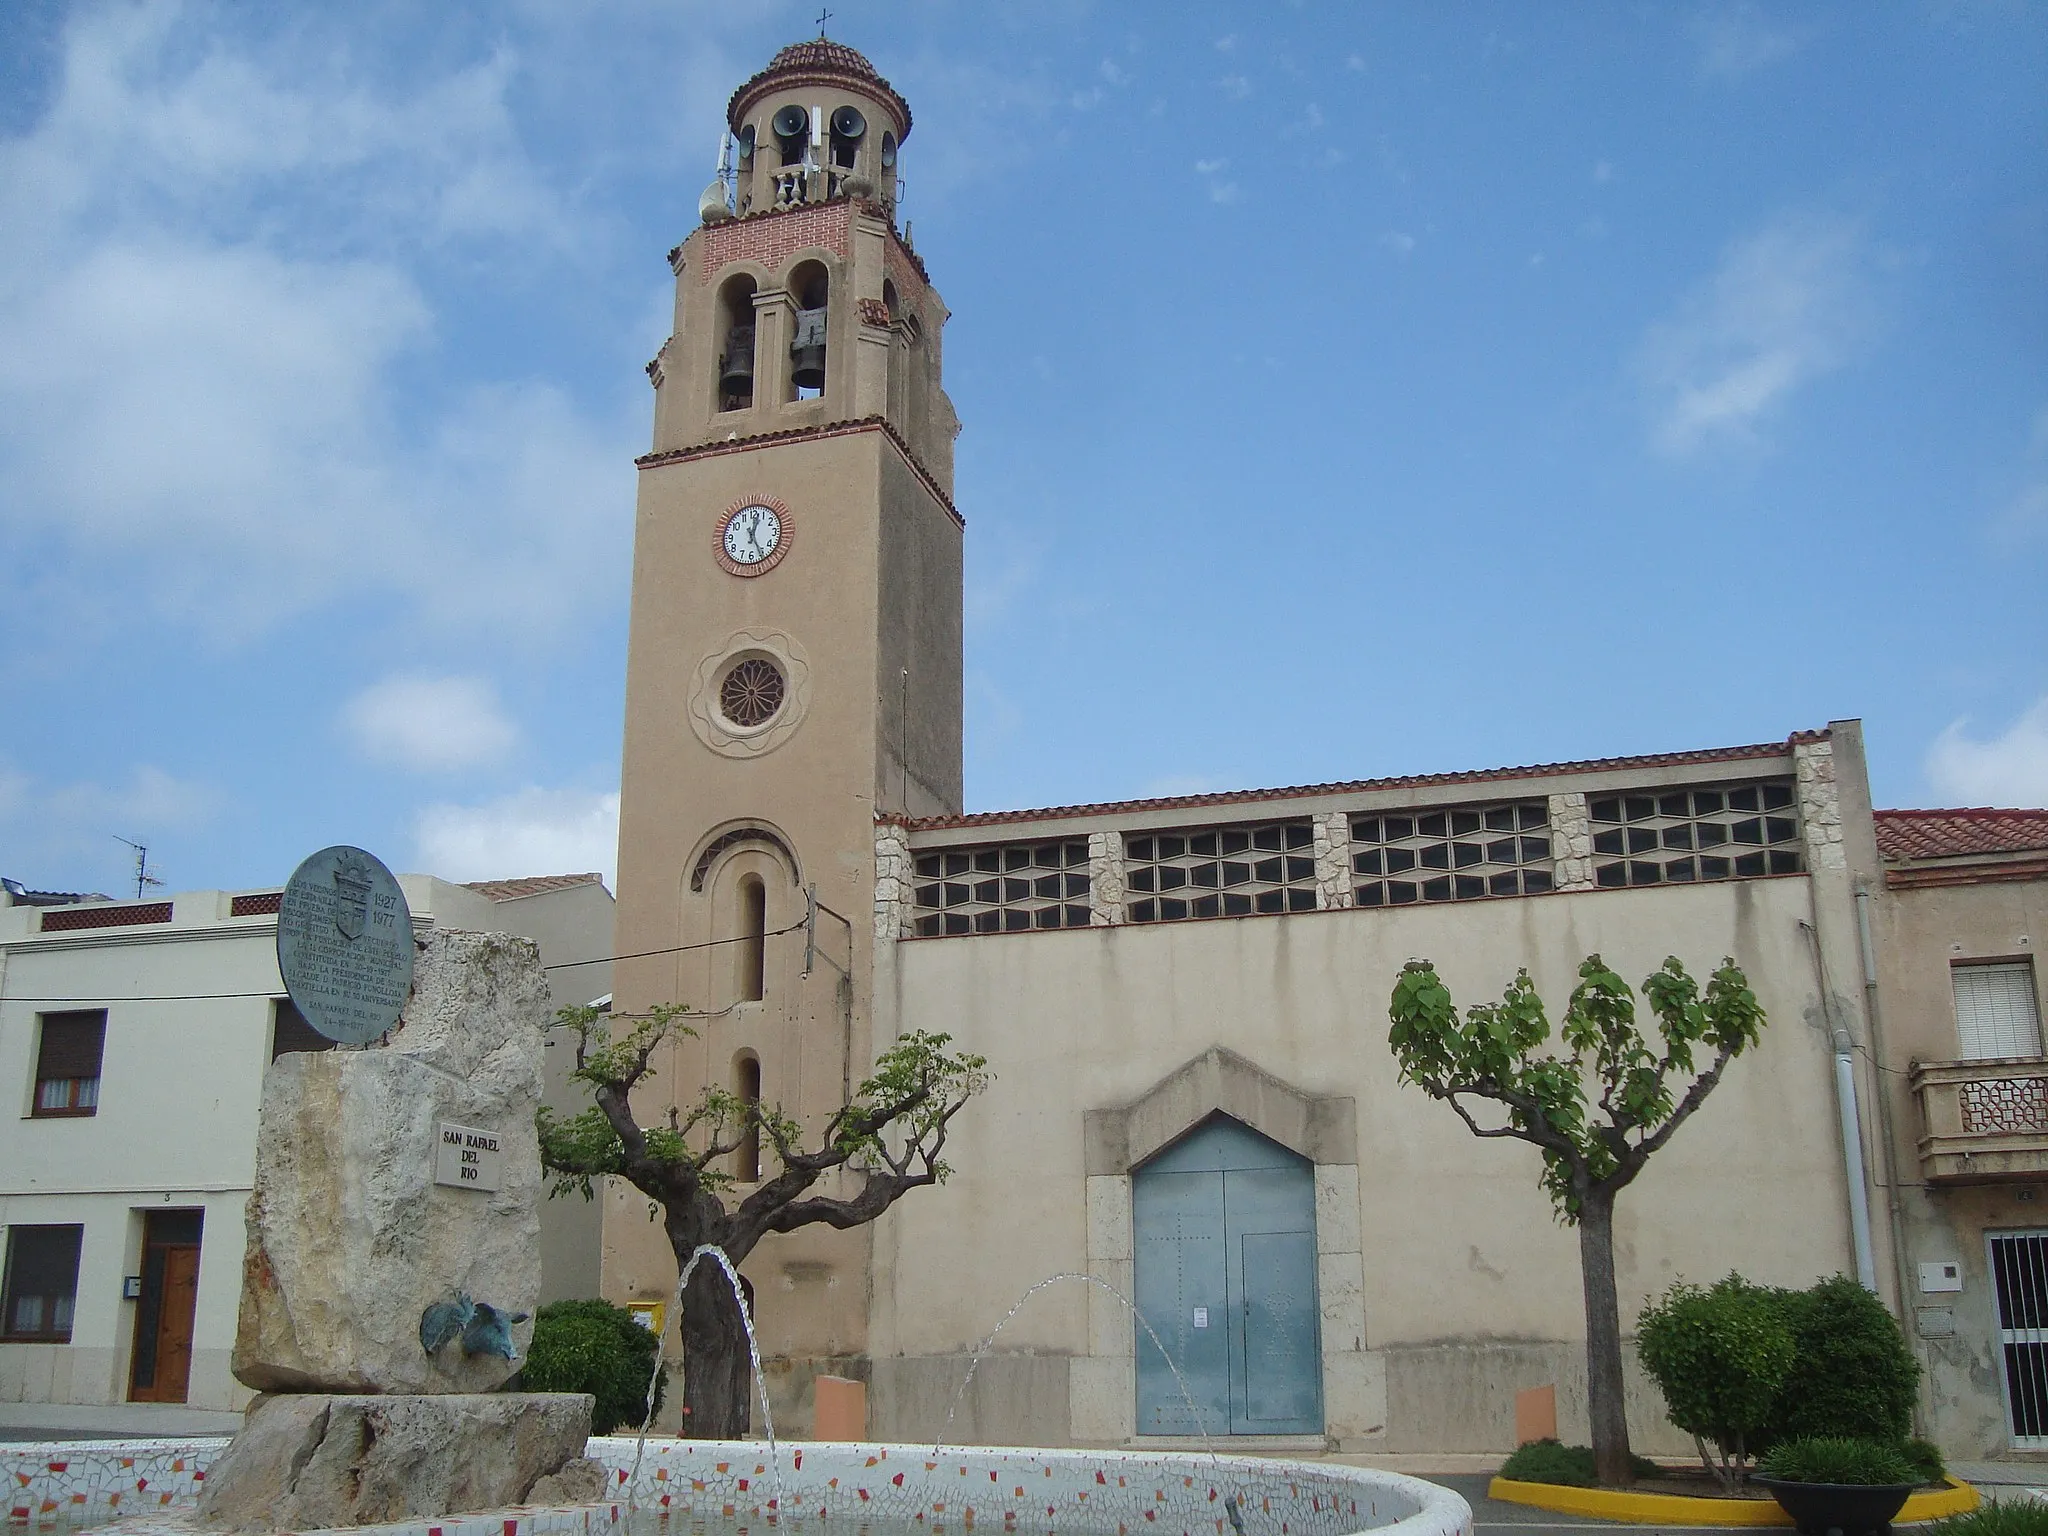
[718,1375]
[1605,1404]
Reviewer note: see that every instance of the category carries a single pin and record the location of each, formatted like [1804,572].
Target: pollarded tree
[1589,1157]
[888,1136]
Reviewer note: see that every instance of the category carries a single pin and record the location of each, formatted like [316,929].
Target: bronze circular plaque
[344,944]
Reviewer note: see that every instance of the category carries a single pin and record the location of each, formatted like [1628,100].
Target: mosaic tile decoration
[1128,1493]
[150,1488]
[79,1483]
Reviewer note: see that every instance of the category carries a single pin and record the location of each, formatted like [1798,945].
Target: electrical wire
[207,997]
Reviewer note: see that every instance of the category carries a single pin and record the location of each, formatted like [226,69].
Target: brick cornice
[808,434]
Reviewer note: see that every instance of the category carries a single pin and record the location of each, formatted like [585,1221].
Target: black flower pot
[1839,1509]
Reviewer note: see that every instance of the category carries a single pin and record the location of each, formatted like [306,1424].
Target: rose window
[752,692]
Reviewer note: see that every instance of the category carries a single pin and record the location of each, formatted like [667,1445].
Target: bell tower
[794,667]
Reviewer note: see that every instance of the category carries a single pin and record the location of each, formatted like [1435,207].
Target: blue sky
[1348,390]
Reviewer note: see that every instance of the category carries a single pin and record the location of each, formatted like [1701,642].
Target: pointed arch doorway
[1224,1251]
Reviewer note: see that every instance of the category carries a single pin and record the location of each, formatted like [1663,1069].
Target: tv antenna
[143,878]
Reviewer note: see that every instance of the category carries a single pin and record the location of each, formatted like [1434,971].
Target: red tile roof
[1302,791]
[532,885]
[1957,833]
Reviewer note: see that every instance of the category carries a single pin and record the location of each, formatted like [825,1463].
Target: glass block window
[1677,836]
[1004,889]
[1459,854]
[1220,872]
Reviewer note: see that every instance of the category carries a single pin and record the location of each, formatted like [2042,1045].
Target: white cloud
[1736,40]
[1400,242]
[212,278]
[1786,306]
[1236,87]
[2010,768]
[1226,43]
[532,832]
[150,801]
[429,724]
[1221,189]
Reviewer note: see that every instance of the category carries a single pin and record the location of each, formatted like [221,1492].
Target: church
[1183,1001]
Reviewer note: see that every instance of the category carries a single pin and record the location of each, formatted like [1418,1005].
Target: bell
[736,369]
[807,350]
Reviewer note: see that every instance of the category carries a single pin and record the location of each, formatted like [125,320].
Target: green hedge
[1546,1461]
[1838,1459]
[594,1347]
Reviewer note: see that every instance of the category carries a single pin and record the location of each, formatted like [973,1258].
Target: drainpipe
[1852,1122]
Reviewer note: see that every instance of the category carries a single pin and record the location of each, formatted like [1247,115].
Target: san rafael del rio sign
[344,945]
[468,1158]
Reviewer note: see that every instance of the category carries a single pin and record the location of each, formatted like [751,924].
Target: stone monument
[393,1252]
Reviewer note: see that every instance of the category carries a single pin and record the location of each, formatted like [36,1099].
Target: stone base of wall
[1453,1397]
[1013,1400]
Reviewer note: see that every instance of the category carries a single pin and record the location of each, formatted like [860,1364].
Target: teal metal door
[1224,1225]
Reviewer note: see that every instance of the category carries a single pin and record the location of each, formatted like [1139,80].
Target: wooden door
[174,1324]
[160,1364]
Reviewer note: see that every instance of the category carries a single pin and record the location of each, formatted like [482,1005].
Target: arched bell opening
[734,386]
[849,126]
[746,1087]
[891,303]
[790,126]
[810,288]
[885,182]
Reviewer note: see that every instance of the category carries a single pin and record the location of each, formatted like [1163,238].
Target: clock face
[753,536]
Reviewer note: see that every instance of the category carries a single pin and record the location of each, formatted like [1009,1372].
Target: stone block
[1111,1330]
[1340,1295]
[350,1239]
[1109,1218]
[1102,1400]
[310,1461]
[1337,1208]
[1354,1399]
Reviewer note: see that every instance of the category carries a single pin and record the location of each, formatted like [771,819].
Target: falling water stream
[1231,1504]
[753,1354]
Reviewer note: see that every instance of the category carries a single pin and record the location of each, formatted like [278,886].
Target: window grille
[1729,831]
[2019,1274]
[41,1283]
[1452,855]
[68,1062]
[1220,872]
[1003,889]
[1996,1013]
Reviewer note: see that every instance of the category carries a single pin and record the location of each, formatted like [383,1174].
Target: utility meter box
[1946,1275]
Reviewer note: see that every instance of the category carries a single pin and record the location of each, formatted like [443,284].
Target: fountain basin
[814,1486]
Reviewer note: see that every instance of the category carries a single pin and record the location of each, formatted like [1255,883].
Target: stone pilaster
[1333,859]
[894,874]
[1820,809]
[1571,841]
[1105,878]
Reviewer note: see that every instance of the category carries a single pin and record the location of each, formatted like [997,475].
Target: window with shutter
[41,1283]
[1996,1011]
[68,1062]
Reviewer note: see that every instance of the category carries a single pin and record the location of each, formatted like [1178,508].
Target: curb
[1675,1509]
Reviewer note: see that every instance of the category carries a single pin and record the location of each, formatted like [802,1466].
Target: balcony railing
[1983,1122]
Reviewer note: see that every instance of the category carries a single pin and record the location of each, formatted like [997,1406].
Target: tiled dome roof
[821,61]
[823,53]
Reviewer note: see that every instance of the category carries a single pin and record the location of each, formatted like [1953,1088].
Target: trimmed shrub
[1547,1461]
[1924,1457]
[1853,1377]
[594,1347]
[2021,1517]
[1838,1459]
[1721,1356]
